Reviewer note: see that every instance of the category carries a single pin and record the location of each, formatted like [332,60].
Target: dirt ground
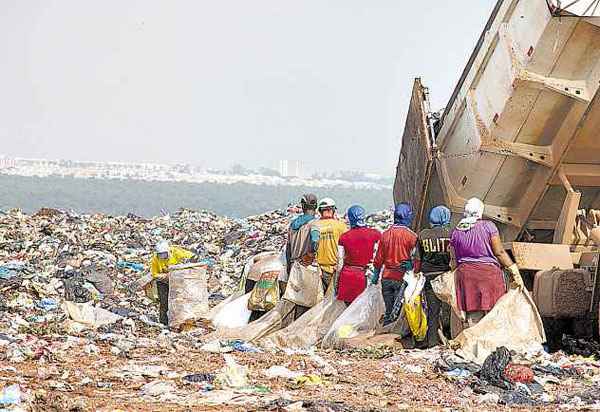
[90,377]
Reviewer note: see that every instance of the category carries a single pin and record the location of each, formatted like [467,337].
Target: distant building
[290,168]
[7,162]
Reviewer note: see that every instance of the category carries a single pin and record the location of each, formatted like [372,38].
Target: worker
[433,253]
[164,257]
[325,234]
[395,255]
[299,249]
[355,252]
[477,254]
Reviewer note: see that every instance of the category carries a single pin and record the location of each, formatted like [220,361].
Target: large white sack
[363,316]
[188,294]
[308,329]
[514,322]
[234,314]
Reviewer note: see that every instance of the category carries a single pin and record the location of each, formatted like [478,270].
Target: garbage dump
[75,337]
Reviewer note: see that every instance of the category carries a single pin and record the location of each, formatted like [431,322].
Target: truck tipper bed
[521,131]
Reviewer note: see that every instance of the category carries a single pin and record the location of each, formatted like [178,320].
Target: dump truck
[521,131]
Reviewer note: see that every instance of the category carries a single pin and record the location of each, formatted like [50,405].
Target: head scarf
[473,212]
[439,216]
[403,214]
[356,216]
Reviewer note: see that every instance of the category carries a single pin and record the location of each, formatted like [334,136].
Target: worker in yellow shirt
[324,235]
[164,257]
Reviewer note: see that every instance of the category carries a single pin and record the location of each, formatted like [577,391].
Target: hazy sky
[222,82]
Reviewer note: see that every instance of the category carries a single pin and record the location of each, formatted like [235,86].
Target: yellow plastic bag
[416,318]
[265,294]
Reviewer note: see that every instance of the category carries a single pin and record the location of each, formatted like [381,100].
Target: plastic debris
[493,368]
[158,388]
[11,395]
[518,373]
[233,375]
[308,380]
[278,371]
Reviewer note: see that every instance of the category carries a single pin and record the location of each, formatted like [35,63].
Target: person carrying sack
[299,247]
[478,255]
[394,255]
[433,251]
[164,257]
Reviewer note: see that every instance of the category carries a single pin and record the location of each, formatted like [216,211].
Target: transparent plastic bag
[188,294]
[233,314]
[277,318]
[308,330]
[304,286]
[363,316]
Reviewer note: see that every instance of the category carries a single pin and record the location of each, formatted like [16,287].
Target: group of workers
[345,256]
[350,258]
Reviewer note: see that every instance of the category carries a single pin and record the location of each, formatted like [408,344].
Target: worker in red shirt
[355,251]
[395,254]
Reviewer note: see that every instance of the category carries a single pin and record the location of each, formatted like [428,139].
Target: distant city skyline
[292,168]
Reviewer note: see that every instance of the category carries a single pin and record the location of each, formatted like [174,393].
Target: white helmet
[326,203]
[162,247]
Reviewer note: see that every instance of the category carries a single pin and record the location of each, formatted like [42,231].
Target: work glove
[516,276]
[374,276]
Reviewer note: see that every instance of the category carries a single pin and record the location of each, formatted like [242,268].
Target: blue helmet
[403,214]
[440,216]
[356,216]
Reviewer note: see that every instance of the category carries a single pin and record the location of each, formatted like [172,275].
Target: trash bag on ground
[234,314]
[493,368]
[188,294]
[277,318]
[310,328]
[89,315]
[304,286]
[265,294]
[514,323]
[221,305]
[361,317]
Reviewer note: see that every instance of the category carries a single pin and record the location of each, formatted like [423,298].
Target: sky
[217,83]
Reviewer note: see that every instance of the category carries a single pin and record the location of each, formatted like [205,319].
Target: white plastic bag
[283,274]
[361,317]
[308,329]
[215,310]
[444,287]
[89,315]
[514,322]
[234,314]
[188,294]
[304,286]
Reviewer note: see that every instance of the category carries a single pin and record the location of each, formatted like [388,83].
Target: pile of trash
[56,262]
[74,336]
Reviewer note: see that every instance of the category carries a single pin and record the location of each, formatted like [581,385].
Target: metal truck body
[521,128]
[521,131]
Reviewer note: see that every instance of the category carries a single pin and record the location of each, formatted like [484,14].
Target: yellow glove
[516,276]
